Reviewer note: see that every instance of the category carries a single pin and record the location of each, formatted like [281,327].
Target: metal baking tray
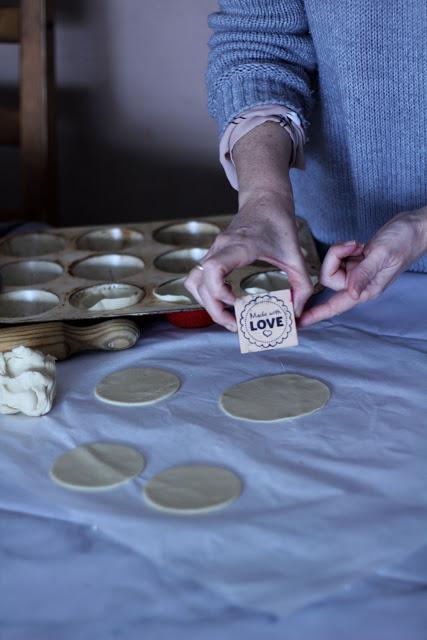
[79,273]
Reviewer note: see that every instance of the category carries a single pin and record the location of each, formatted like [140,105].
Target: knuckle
[211,264]
[212,271]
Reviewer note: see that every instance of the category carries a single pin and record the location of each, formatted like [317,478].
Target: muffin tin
[81,273]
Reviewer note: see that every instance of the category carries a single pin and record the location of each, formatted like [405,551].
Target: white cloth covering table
[329,538]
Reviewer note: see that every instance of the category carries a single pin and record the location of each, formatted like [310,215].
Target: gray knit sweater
[356,72]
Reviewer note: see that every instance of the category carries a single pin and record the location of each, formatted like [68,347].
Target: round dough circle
[97,466]
[136,387]
[193,489]
[273,398]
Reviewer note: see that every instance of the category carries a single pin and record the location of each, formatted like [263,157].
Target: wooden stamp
[266,321]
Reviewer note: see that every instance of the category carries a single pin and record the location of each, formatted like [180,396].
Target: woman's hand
[359,273]
[264,229]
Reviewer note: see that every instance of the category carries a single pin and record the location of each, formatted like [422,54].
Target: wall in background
[135,140]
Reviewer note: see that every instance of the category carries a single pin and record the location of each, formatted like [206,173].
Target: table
[328,539]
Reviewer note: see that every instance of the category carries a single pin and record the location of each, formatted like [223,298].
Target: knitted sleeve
[261,52]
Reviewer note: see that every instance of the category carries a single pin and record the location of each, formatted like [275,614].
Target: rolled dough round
[272,398]
[193,489]
[139,386]
[97,466]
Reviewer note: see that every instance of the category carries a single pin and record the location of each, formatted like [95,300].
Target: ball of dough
[27,382]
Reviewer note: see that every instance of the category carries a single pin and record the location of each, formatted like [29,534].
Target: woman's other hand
[359,273]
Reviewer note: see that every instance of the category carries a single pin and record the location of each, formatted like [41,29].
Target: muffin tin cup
[266,281]
[174,291]
[180,260]
[191,233]
[129,269]
[110,267]
[108,296]
[24,303]
[110,239]
[31,245]
[27,273]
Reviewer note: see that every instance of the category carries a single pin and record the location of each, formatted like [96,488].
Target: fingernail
[232,327]
[349,243]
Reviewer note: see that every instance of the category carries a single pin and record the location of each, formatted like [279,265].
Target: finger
[193,282]
[219,264]
[333,274]
[214,307]
[381,280]
[352,262]
[208,287]
[302,289]
[299,278]
[337,304]
[216,310]
[228,258]
[365,274]
[218,289]
[215,269]
[213,281]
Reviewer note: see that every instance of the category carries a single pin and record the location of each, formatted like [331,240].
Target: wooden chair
[30,25]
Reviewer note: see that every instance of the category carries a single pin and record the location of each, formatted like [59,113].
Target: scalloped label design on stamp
[266,321]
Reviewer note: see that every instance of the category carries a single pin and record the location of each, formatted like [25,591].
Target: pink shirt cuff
[248,120]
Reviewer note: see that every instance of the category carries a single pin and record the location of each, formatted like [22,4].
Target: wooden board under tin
[60,264]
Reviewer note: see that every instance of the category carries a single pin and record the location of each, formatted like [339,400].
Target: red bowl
[190,319]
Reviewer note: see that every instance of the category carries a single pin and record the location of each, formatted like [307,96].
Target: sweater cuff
[239,94]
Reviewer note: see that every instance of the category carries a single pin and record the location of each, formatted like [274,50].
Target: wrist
[262,159]
[273,196]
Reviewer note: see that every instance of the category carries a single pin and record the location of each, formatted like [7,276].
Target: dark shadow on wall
[116,186]
[101,183]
